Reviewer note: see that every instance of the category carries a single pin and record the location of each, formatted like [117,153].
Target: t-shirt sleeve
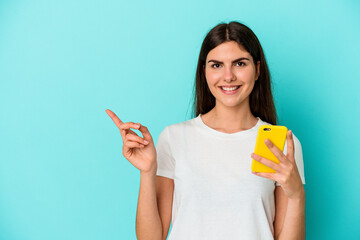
[298,158]
[165,160]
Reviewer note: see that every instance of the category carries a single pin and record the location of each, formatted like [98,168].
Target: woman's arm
[287,175]
[290,216]
[148,222]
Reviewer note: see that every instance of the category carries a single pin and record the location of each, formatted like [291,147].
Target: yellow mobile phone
[277,135]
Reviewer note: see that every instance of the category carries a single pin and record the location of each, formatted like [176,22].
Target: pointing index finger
[115,118]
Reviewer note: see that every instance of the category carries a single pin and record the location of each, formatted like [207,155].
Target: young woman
[199,175]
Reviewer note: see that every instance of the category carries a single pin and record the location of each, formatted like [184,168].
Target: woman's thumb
[145,132]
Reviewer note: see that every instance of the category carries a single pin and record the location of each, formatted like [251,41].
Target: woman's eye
[216,64]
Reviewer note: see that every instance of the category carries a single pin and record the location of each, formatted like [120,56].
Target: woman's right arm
[155,194]
[148,222]
[154,208]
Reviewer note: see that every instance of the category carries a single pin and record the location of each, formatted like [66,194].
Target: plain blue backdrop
[62,63]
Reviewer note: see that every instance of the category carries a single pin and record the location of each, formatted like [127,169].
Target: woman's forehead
[228,51]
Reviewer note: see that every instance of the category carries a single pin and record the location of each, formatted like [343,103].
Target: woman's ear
[257,70]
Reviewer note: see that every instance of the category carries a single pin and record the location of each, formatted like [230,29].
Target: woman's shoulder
[182,126]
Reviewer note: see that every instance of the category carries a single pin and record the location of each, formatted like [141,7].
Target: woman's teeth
[230,89]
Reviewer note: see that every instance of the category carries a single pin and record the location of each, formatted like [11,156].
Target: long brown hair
[261,98]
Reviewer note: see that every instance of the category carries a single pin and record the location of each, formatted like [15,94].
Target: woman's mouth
[230,90]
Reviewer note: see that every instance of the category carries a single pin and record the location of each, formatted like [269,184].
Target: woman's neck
[228,121]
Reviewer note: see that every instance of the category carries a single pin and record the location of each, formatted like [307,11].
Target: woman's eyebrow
[236,60]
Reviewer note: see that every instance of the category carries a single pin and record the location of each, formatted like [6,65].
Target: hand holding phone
[277,135]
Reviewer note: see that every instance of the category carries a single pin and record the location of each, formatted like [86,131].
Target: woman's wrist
[151,172]
[299,196]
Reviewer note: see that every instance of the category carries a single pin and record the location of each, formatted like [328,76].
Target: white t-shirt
[215,194]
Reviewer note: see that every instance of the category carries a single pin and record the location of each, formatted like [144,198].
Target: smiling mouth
[230,89]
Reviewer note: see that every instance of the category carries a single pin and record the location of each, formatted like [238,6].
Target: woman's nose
[229,74]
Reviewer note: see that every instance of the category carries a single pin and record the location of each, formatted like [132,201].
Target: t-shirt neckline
[240,134]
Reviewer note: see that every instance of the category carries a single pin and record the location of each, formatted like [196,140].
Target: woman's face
[229,64]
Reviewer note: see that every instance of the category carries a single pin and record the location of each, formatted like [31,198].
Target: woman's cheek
[242,74]
[214,75]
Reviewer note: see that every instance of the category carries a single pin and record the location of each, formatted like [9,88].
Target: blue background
[62,63]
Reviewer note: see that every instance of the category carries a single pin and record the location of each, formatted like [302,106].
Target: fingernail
[146,142]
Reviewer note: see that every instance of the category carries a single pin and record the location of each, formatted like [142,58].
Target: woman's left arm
[289,216]
[292,193]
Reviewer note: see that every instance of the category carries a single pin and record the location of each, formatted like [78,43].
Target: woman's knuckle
[287,176]
[291,168]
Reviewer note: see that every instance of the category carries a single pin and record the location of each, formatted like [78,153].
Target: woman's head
[221,46]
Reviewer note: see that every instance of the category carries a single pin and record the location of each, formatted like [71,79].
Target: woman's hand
[287,173]
[140,152]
